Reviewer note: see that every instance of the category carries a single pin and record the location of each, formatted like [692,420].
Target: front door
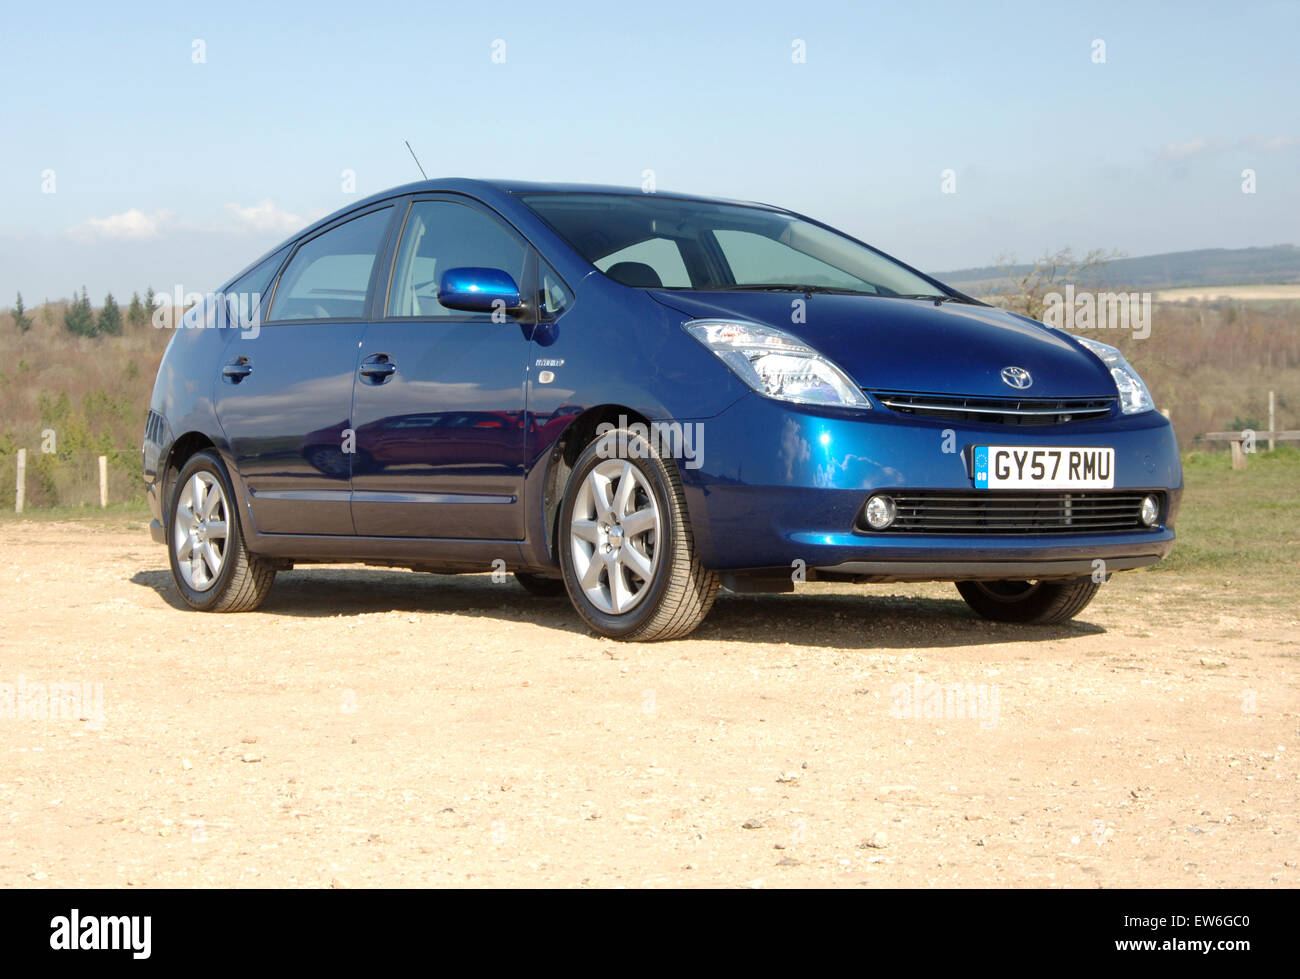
[439,400]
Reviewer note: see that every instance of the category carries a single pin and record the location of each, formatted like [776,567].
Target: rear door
[439,401]
[285,396]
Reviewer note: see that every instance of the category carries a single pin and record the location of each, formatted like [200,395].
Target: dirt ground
[389,728]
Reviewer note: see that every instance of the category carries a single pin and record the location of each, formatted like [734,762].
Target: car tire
[540,585]
[1039,602]
[210,564]
[627,550]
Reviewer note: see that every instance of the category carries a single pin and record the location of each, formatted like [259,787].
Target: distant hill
[1203,267]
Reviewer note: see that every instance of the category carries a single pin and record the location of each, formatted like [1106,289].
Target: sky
[169,145]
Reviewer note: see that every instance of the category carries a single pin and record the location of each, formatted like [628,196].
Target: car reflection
[420,440]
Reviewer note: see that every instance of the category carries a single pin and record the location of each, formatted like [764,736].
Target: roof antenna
[416,159]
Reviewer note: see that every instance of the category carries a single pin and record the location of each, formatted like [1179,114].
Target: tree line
[81,319]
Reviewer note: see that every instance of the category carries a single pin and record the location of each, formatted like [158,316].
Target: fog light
[1150,511]
[881,512]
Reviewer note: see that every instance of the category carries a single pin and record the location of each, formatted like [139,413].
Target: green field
[1242,522]
[114,515]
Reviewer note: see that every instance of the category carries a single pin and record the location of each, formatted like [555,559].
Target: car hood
[914,345]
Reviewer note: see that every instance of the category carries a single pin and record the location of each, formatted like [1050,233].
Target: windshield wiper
[791,287]
[932,297]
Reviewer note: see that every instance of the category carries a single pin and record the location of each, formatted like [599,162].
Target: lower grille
[1014,512]
[997,411]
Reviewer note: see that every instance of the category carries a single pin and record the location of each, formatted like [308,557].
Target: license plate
[1029,467]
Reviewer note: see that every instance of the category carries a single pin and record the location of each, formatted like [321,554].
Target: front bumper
[778,484]
[1069,561]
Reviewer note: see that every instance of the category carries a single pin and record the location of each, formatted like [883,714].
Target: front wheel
[213,570]
[626,546]
[1039,602]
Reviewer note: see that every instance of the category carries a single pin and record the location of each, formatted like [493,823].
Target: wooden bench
[1238,440]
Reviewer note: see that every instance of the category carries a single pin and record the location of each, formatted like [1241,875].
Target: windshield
[662,243]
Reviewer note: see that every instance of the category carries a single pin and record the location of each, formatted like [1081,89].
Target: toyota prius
[637,399]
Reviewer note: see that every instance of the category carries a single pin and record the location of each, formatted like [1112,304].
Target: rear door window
[328,277]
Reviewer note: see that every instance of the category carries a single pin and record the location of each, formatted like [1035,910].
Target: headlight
[1134,398]
[776,364]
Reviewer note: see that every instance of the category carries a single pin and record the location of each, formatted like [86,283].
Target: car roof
[520,188]
[491,192]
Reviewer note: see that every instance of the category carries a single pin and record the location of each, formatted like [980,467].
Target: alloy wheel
[614,535]
[199,531]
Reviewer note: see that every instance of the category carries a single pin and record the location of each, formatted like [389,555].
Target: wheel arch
[184,448]
[564,452]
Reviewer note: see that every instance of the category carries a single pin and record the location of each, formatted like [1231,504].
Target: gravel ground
[390,728]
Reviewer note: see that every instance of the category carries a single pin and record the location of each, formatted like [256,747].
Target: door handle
[238,369]
[378,368]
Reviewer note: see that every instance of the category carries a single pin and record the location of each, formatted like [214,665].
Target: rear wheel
[626,546]
[213,570]
[1041,602]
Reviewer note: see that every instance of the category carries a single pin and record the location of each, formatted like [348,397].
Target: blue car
[638,399]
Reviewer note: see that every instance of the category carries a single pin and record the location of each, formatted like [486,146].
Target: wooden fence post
[103,481]
[20,491]
[1272,427]
[1238,455]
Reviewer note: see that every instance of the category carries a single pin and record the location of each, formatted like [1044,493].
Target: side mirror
[477,290]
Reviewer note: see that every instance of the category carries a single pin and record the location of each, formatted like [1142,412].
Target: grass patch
[1241,524]
[114,513]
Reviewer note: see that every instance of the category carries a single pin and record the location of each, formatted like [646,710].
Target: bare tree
[1025,291]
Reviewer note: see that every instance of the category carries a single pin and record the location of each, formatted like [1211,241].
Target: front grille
[997,411]
[1013,512]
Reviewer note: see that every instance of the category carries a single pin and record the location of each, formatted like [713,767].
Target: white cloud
[135,225]
[132,225]
[1270,145]
[1186,150]
[266,217]
[1189,149]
